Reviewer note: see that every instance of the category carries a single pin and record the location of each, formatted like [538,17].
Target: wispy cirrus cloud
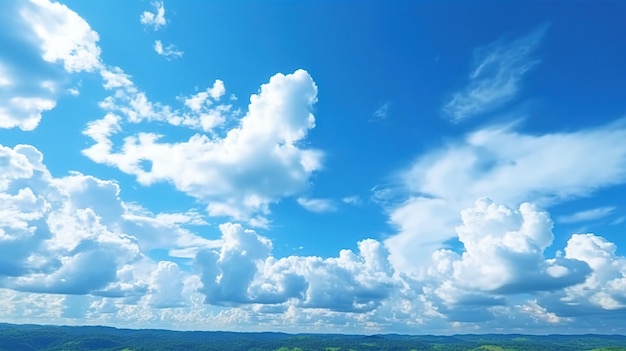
[382,112]
[317,205]
[170,52]
[495,78]
[587,215]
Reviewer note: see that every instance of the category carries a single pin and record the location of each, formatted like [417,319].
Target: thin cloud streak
[495,78]
[587,215]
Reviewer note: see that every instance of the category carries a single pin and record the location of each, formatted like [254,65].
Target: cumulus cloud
[63,35]
[503,255]
[508,166]
[495,78]
[169,52]
[154,20]
[28,90]
[606,286]
[73,235]
[166,286]
[207,97]
[23,112]
[50,242]
[243,271]
[238,174]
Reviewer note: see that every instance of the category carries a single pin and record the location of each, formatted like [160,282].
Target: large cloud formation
[239,174]
[74,236]
[505,165]
[243,271]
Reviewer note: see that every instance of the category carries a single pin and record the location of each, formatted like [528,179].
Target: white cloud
[317,205]
[169,52]
[198,101]
[352,200]
[587,215]
[156,19]
[244,272]
[507,166]
[74,235]
[60,35]
[605,288]
[166,286]
[24,112]
[495,79]
[382,112]
[73,91]
[116,78]
[5,78]
[238,174]
[503,255]
[63,35]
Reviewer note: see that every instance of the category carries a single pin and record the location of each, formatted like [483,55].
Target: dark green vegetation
[34,337]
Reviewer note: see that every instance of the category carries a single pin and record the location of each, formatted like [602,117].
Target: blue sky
[406,167]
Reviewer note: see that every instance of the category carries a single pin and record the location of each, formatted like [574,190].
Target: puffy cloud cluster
[74,238]
[47,240]
[243,271]
[239,173]
[72,250]
[74,235]
[28,88]
[156,19]
[606,286]
[503,256]
[63,36]
[505,165]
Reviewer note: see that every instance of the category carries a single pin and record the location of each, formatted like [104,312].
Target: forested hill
[36,337]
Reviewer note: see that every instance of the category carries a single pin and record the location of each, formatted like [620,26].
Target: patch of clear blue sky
[410,54]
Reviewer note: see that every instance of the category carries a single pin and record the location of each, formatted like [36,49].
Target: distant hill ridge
[31,337]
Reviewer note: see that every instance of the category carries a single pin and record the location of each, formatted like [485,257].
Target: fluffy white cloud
[239,174]
[201,100]
[60,35]
[63,35]
[244,272]
[503,255]
[166,286]
[505,165]
[606,286]
[156,19]
[495,78]
[169,52]
[23,112]
[74,235]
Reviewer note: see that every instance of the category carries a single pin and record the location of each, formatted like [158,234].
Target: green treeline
[49,338]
